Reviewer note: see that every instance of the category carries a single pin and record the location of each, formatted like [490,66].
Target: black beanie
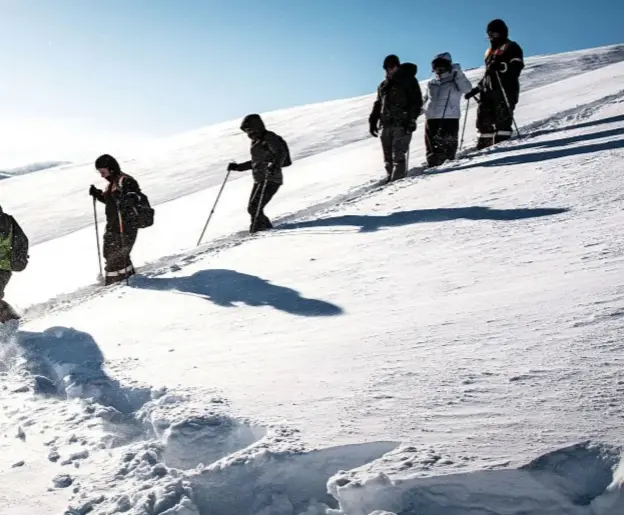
[391,61]
[108,161]
[498,26]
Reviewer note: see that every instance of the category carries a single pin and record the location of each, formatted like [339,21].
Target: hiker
[122,198]
[269,154]
[442,109]
[13,258]
[499,89]
[398,105]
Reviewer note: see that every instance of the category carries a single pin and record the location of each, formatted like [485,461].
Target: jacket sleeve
[376,112]
[514,60]
[276,148]
[463,84]
[243,167]
[416,100]
[100,196]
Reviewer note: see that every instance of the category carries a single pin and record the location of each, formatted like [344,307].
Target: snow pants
[395,142]
[441,140]
[117,249]
[494,119]
[5,277]
[261,195]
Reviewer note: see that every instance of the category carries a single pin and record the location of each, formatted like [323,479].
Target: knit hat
[498,26]
[391,61]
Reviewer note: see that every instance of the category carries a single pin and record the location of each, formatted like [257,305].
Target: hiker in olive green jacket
[13,258]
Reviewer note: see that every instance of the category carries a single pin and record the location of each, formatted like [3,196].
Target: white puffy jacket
[443,94]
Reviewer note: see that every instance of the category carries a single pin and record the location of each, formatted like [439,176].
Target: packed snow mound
[185,164]
[582,479]
[180,453]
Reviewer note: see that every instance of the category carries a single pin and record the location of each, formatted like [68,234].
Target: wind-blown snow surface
[451,343]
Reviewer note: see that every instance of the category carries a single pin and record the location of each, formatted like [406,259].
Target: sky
[80,74]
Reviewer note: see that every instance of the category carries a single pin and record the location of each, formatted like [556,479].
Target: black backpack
[144,212]
[20,243]
[287,160]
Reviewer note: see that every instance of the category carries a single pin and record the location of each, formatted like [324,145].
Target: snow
[450,343]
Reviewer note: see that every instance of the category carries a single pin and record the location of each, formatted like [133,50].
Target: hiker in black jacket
[269,154]
[499,89]
[120,198]
[398,105]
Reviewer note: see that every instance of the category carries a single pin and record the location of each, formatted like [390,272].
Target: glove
[473,92]
[94,192]
[374,131]
[410,126]
[232,167]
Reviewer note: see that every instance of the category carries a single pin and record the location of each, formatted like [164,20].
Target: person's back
[6,268]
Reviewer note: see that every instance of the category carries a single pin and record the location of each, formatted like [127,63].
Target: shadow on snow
[68,363]
[371,223]
[536,157]
[226,288]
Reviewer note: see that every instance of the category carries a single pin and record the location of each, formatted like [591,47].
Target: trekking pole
[123,244]
[97,240]
[461,143]
[259,208]
[213,207]
[500,82]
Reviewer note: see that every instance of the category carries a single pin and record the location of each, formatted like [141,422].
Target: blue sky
[158,67]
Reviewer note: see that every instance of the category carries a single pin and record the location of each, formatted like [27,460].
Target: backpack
[144,212]
[287,160]
[19,244]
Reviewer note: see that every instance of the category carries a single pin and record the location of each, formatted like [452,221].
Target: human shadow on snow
[559,142]
[226,288]
[68,363]
[371,223]
[536,157]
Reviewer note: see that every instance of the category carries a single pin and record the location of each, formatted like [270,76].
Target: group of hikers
[398,105]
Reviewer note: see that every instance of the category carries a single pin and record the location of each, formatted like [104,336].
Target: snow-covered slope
[444,345]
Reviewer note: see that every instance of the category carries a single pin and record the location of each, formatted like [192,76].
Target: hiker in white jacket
[442,108]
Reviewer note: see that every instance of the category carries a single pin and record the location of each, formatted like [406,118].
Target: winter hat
[391,61]
[498,26]
[108,161]
[443,60]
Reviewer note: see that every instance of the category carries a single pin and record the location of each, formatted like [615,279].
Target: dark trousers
[261,195]
[5,277]
[441,140]
[395,142]
[6,311]
[117,249]
[494,119]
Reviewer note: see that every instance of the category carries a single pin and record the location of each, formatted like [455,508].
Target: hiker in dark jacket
[499,89]
[398,105]
[268,155]
[120,199]
[13,257]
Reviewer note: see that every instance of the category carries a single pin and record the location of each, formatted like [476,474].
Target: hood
[108,161]
[253,122]
[443,59]
[408,69]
